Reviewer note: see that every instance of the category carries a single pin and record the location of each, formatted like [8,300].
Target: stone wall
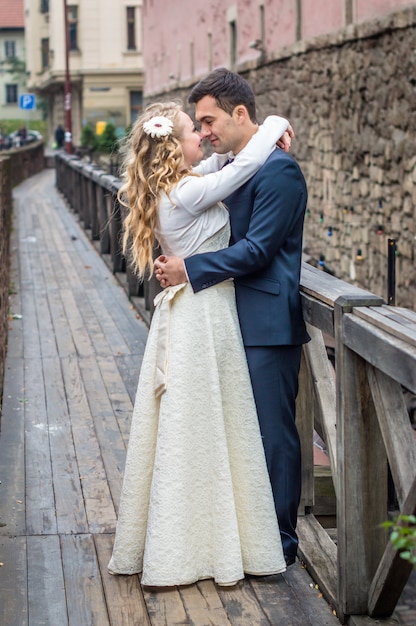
[19,164]
[351,99]
[5,226]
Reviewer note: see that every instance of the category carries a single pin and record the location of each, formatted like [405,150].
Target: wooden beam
[320,555]
[304,422]
[396,430]
[402,329]
[391,355]
[324,384]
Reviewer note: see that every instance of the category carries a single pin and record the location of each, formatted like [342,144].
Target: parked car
[17,138]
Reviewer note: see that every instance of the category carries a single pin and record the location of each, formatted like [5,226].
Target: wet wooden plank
[242,606]
[12,457]
[129,368]
[63,336]
[310,597]
[98,503]
[124,597]
[278,601]
[165,606]
[46,591]
[83,585]
[203,604]
[91,325]
[117,393]
[13,582]
[45,325]
[31,338]
[112,448]
[40,499]
[81,339]
[15,326]
[70,509]
[48,268]
[118,344]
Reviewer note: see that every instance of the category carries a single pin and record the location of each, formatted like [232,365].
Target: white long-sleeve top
[193,212]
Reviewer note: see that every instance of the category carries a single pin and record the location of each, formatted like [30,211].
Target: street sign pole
[27,102]
[67,87]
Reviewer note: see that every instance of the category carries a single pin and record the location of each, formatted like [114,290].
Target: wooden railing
[358,409]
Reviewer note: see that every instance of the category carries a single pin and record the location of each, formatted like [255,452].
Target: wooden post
[304,422]
[362,474]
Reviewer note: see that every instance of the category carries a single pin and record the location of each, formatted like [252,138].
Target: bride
[196,499]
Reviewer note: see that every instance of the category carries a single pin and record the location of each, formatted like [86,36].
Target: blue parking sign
[27,101]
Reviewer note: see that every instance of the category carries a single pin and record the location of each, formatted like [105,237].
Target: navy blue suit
[264,258]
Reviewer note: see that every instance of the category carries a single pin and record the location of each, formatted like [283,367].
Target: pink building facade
[186,39]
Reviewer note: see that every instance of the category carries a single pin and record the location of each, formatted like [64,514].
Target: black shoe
[289,559]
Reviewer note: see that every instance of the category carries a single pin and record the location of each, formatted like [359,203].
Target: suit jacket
[264,256]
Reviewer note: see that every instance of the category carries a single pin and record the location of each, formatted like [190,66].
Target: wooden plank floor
[73,363]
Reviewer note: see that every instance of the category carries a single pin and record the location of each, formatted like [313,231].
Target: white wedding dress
[196,500]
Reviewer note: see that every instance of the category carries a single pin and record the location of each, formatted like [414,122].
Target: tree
[108,141]
[88,137]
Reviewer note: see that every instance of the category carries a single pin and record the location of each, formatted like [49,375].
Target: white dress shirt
[193,211]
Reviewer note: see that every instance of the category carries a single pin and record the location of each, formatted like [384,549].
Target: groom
[264,258]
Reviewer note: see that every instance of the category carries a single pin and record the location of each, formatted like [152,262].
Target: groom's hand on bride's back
[170,270]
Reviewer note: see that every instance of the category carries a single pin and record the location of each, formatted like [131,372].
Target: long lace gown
[196,500]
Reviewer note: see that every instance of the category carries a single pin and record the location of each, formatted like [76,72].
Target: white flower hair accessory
[159,126]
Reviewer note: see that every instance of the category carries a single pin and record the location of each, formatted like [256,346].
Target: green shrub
[88,137]
[108,141]
[403,536]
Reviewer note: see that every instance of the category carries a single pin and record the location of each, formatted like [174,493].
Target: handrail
[358,409]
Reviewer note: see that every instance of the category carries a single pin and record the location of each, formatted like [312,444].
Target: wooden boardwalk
[74,357]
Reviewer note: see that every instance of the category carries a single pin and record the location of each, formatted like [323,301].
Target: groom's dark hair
[228,89]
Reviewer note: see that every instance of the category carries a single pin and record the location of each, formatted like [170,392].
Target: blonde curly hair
[151,166]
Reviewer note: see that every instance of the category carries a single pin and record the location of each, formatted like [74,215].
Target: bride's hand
[285,140]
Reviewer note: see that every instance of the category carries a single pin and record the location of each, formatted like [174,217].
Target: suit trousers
[274,372]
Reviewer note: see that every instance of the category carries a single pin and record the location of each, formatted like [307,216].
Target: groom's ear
[240,114]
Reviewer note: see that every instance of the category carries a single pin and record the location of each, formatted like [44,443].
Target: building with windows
[232,33]
[12,54]
[104,60]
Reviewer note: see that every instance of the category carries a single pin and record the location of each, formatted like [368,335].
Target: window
[44,6]
[11,94]
[73,27]
[10,49]
[136,105]
[210,52]
[233,42]
[192,58]
[131,28]
[44,43]
[262,25]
